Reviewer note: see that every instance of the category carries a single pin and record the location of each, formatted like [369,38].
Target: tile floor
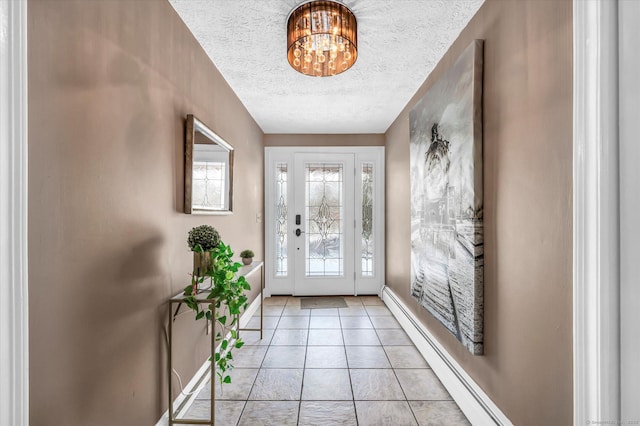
[347,366]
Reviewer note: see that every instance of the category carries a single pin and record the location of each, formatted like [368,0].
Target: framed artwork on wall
[447,254]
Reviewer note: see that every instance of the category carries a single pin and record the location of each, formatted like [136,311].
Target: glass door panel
[324,213]
[281,220]
[367,221]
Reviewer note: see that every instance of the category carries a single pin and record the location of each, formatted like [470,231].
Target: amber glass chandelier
[322,38]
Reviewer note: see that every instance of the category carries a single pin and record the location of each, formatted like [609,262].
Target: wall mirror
[208,171]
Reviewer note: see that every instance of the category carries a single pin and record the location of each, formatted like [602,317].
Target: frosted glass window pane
[367,242]
[324,225]
[316,192]
[199,172]
[281,220]
[208,189]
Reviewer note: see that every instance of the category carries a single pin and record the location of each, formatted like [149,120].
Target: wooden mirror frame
[194,125]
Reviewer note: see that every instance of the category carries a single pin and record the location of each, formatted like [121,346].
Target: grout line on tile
[244,405]
[346,357]
[394,372]
[304,370]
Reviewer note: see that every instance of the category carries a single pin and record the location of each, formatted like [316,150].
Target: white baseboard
[204,372]
[474,403]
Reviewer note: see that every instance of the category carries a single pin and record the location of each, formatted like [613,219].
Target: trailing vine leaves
[227,290]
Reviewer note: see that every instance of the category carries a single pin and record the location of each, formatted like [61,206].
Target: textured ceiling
[399,43]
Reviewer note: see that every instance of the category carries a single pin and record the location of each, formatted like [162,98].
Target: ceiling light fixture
[322,38]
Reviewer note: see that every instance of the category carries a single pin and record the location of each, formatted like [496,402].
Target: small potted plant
[246,256]
[202,240]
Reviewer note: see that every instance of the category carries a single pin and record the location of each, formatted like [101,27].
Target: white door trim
[14,314]
[596,343]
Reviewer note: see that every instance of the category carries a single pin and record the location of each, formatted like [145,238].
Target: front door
[324,212]
[324,230]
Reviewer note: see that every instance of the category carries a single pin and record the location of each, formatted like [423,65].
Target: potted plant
[247,256]
[201,240]
[227,293]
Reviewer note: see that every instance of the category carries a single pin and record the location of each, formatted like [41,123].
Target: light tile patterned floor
[348,366]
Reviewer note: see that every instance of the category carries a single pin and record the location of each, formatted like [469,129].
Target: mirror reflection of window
[210,177]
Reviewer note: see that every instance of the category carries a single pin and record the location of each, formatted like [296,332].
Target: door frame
[363,154]
[596,213]
[14,302]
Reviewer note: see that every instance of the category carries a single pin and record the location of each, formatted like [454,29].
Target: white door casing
[596,239]
[14,304]
[285,271]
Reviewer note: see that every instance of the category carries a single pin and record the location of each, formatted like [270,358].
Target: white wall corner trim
[14,315]
[596,281]
[472,400]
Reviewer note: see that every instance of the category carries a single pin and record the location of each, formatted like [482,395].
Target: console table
[201,298]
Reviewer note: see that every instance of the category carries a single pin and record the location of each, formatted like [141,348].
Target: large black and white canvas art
[447,257]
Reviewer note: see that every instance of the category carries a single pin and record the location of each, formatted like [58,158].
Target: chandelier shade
[322,38]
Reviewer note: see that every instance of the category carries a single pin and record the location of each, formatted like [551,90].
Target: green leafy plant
[227,296]
[245,254]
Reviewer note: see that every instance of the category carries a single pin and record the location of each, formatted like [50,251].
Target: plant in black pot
[226,293]
[246,256]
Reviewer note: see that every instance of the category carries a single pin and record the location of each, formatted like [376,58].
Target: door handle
[298,232]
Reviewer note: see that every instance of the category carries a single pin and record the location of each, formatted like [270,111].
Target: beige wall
[110,83]
[324,140]
[527,366]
